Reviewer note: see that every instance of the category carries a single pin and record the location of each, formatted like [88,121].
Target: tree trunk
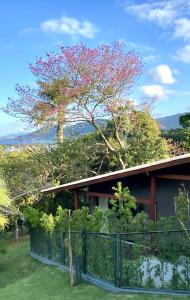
[60,131]
[70,252]
[107,143]
[16,231]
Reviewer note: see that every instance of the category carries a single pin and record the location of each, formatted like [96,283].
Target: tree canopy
[4,203]
[184,120]
[181,135]
[77,83]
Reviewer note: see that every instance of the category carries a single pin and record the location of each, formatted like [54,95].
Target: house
[154,185]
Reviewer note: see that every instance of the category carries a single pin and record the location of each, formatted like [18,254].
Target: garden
[22,275]
[102,246]
[120,245]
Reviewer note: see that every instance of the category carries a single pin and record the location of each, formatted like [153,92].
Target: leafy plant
[97,221]
[61,219]
[123,206]
[47,222]
[79,219]
[182,209]
[4,203]
[141,223]
[32,216]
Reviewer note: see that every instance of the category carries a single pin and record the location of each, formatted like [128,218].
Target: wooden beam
[174,176]
[143,201]
[153,209]
[111,196]
[101,195]
[76,197]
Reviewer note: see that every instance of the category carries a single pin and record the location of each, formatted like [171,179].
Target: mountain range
[78,129]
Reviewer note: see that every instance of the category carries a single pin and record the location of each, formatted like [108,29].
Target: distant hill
[38,137]
[78,129]
[170,122]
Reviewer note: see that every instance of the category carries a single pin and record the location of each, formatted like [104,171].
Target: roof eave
[120,174]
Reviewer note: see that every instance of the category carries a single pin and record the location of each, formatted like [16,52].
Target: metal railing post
[62,238]
[118,260]
[84,252]
[49,246]
[31,237]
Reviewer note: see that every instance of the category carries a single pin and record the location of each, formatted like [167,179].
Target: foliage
[26,171]
[79,219]
[4,197]
[85,84]
[124,199]
[47,222]
[97,221]
[82,157]
[33,168]
[184,120]
[30,169]
[76,158]
[182,209]
[78,83]
[141,223]
[122,208]
[4,204]
[169,223]
[148,260]
[61,219]
[32,215]
[116,219]
[49,281]
[145,142]
[4,221]
[182,205]
[146,257]
[140,136]
[181,135]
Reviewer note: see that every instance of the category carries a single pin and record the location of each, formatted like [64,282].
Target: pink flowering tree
[79,84]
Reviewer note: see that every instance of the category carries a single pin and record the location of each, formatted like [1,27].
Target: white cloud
[156,91]
[183,54]
[182,28]
[70,26]
[169,14]
[162,74]
[161,12]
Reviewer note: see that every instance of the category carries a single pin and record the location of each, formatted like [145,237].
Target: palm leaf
[5,201]
[4,196]
[3,221]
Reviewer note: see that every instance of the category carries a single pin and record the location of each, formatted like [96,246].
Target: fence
[151,260]
[11,234]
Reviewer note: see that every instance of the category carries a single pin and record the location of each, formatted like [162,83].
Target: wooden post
[76,197]
[153,208]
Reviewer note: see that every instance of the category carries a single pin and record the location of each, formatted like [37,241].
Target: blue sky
[158,30]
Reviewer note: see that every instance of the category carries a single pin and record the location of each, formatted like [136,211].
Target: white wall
[103,203]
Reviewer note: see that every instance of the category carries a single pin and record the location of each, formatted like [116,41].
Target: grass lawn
[23,278]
